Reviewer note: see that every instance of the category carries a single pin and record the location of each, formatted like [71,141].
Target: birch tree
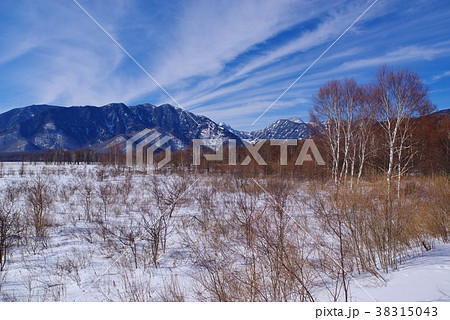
[401,96]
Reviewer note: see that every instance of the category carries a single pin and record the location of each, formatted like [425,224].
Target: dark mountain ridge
[50,127]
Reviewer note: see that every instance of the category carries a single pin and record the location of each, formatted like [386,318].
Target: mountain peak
[114,104]
[296,120]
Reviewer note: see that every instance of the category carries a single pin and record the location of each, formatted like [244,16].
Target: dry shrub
[9,226]
[251,249]
[430,202]
[439,206]
[39,201]
[171,290]
[376,230]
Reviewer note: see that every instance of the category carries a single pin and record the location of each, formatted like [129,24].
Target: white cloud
[194,49]
[442,75]
[210,34]
[403,54]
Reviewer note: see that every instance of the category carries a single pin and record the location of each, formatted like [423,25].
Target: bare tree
[106,195]
[244,207]
[337,106]
[168,193]
[86,190]
[128,233]
[401,96]
[8,223]
[39,200]
[207,202]
[364,146]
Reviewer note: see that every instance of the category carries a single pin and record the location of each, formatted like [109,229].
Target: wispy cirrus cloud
[403,55]
[58,58]
[226,59]
[442,75]
[210,34]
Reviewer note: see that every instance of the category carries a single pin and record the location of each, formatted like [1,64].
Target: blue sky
[228,60]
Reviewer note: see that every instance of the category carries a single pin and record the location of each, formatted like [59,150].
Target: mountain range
[46,127]
[292,128]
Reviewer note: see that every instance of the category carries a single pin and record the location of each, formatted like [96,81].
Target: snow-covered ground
[83,263]
[423,278]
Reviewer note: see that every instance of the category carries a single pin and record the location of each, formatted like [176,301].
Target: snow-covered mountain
[292,128]
[46,127]
[240,134]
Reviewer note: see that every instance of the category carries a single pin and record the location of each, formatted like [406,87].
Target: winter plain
[110,234]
